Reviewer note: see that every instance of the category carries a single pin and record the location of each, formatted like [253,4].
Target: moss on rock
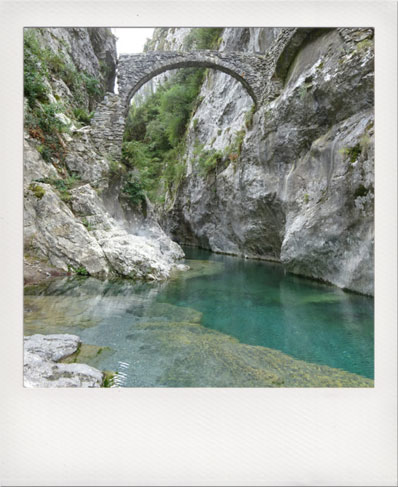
[88,354]
[195,356]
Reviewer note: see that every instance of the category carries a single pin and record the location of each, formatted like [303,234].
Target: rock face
[73,218]
[90,50]
[41,354]
[296,179]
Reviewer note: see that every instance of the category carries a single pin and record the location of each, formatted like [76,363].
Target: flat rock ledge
[41,354]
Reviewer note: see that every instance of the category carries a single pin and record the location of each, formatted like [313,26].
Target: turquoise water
[154,328]
[261,304]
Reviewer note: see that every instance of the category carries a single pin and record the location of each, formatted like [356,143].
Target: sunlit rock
[41,354]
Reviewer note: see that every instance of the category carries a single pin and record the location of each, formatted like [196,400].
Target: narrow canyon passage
[210,224]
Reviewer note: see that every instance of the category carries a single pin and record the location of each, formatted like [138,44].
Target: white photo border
[207,436]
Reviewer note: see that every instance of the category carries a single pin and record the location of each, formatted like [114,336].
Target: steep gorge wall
[76,216]
[295,179]
[291,181]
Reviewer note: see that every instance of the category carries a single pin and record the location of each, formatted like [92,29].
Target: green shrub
[37,190]
[115,167]
[82,115]
[40,66]
[45,152]
[360,191]
[109,379]
[62,185]
[155,133]
[134,189]
[87,224]
[352,152]
[35,70]
[203,38]
[40,117]
[209,159]
[135,154]
[92,86]
[82,271]
[249,117]
[65,196]
[238,142]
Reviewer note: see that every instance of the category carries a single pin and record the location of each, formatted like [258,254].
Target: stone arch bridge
[134,70]
[262,75]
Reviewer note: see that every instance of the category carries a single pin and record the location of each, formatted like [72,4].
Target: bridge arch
[134,70]
[190,64]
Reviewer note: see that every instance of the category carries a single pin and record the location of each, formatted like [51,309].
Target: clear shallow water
[168,334]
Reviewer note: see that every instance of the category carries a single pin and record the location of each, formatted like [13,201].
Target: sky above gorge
[131,40]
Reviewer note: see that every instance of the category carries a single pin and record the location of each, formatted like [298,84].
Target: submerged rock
[57,314]
[198,268]
[88,354]
[41,354]
[169,312]
[189,355]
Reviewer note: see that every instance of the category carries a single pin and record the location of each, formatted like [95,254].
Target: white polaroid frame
[197,436]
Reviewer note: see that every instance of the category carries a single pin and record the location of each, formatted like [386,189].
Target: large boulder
[41,353]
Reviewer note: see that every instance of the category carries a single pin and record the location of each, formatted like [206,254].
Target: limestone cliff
[295,178]
[77,214]
[290,180]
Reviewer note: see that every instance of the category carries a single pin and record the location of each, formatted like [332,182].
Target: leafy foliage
[203,38]
[82,115]
[134,189]
[249,117]
[40,66]
[87,224]
[79,271]
[154,140]
[352,152]
[155,131]
[209,160]
[82,271]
